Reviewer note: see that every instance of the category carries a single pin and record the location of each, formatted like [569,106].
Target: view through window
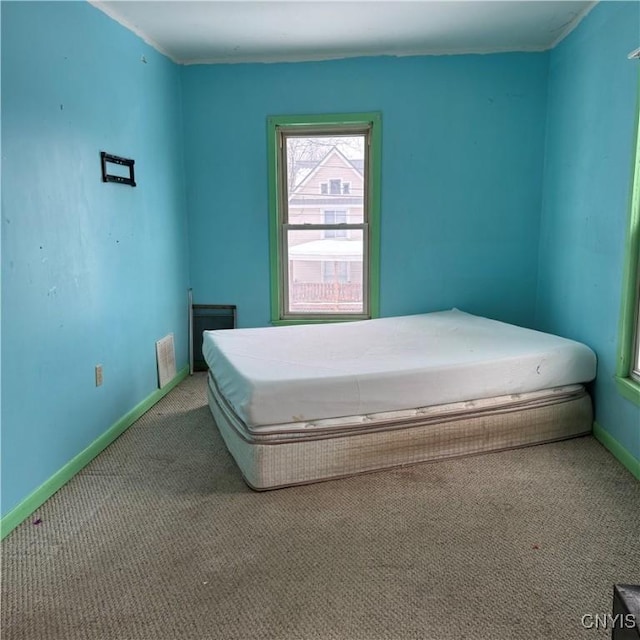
[324,223]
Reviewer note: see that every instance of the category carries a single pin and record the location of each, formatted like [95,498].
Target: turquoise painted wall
[95,273]
[462,158]
[592,102]
[91,272]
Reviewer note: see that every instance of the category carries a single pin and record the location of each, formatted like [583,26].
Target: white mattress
[280,375]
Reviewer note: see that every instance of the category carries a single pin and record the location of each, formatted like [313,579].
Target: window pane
[324,172]
[322,181]
[324,274]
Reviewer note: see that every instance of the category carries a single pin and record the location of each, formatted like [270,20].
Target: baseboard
[35,499]
[617,450]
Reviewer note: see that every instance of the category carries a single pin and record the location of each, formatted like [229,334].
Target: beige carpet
[158,538]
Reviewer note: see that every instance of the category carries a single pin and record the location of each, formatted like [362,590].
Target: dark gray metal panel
[209,317]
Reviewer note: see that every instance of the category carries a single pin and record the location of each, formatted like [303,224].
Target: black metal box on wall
[207,317]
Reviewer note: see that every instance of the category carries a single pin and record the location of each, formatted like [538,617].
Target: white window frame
[286,226]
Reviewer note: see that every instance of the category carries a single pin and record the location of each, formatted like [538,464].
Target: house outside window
[324,180]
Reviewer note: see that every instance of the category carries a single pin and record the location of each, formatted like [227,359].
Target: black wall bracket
[111,177]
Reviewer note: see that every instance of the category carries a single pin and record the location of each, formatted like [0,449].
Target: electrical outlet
[98,375]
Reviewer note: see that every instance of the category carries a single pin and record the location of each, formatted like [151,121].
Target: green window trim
[629,389]
[629,323]
[373,119]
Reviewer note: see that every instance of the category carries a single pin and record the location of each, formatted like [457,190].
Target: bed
[304,403]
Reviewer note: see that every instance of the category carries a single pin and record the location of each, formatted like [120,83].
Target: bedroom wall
[92,273]
[592,101]
[463,142]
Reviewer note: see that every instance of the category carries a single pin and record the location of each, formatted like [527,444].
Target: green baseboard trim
[617,450]
[38,497]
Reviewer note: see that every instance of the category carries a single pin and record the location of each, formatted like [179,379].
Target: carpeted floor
[158,538]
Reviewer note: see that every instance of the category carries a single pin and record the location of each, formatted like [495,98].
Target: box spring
[309,452]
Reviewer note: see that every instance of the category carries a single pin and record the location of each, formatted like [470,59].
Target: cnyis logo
[608,621]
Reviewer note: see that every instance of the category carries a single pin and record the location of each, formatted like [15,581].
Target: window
[335,272]
[332,218]
[336,186]
[628,373]
[324,262]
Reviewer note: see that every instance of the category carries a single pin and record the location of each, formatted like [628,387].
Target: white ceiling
[215,31]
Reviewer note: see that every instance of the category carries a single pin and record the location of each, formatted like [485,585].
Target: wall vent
[166,359]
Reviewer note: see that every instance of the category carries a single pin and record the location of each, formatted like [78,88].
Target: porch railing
[312,292]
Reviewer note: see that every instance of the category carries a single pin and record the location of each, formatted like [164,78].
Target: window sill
[292,321]
[629,388]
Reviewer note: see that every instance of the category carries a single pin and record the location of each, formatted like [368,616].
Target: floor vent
[166,357]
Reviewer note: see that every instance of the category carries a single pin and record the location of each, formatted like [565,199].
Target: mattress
[305,373]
